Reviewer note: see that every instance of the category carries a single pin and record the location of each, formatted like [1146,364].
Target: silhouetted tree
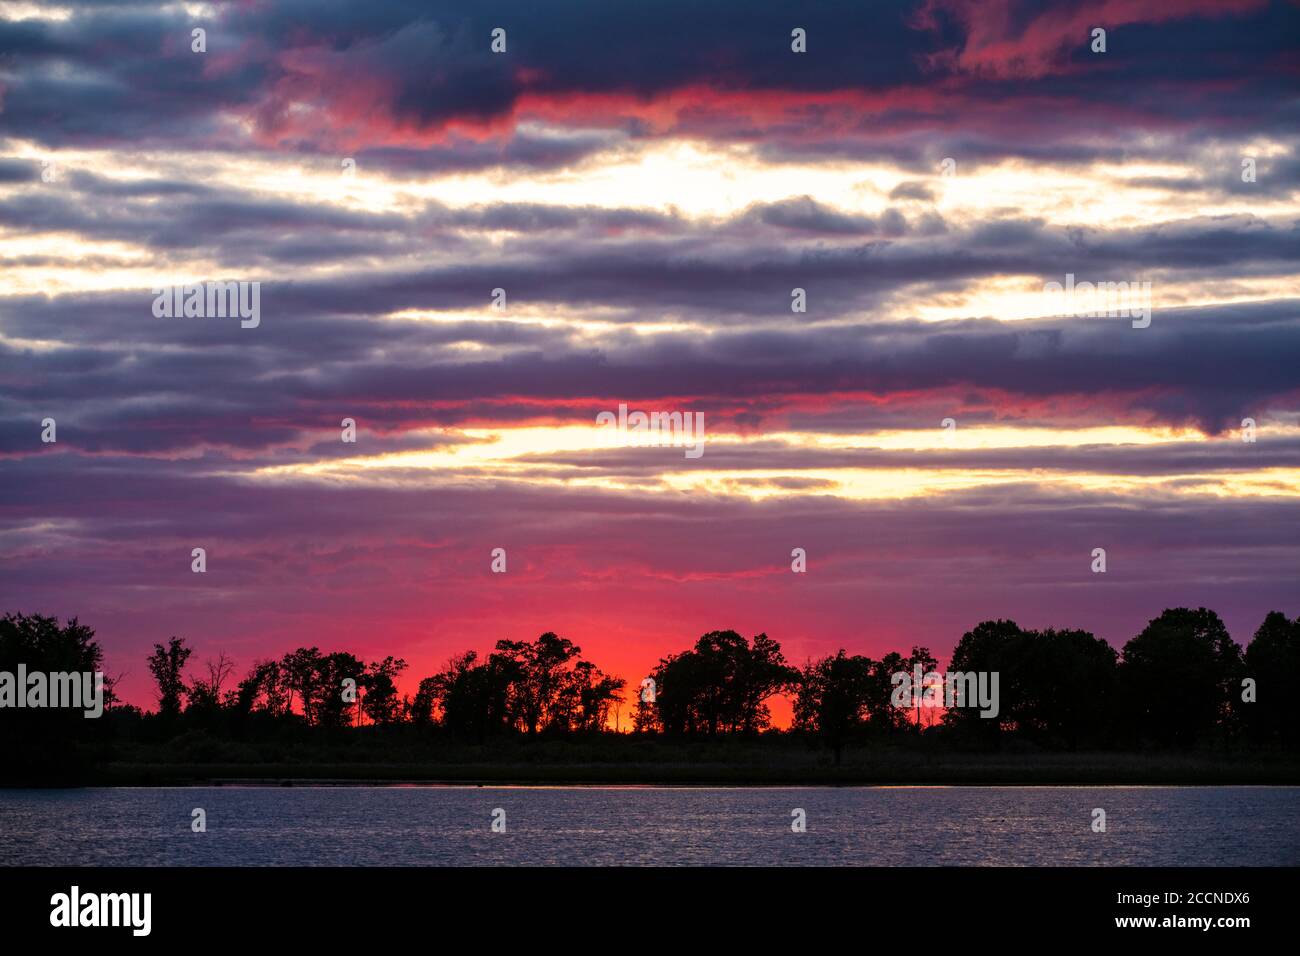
[205,695]
[167,664]
[883,715]
[47,743]
[335,670]
[1056,688]
[645,715]
[1176,684]
[833,698]
[678,679]
[586,697]
[1061,687]
[320,681]
[541,668]
[380,702]
[300,670]
[263,690]
[990,647]
[1273,661]
[1179,677]
[472,698]
[551,688]
[921,662]
[425,702]
[721,685]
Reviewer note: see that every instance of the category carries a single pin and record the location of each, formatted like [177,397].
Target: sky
[648,185]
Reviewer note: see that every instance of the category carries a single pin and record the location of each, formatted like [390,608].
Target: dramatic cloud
[841,258]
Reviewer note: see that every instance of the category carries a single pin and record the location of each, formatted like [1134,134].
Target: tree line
[1180,683]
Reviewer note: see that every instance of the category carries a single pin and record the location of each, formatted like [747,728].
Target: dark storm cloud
[724,270]
[18,171]
[805,214]
[209,496]
[388,75]
[1166,459]
[1222,174]
[242,228]
[912,190]
[522,150]
[151,385]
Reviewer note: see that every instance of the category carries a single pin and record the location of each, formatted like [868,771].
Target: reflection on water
[868,826]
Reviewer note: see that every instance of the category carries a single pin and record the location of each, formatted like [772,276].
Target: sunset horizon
[664,436]
[868,283]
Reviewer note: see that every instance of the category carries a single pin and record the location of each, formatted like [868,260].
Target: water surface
[861,826]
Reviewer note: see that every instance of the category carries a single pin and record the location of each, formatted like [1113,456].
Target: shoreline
[1018,771]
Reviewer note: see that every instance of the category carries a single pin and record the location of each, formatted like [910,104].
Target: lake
[860,826]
